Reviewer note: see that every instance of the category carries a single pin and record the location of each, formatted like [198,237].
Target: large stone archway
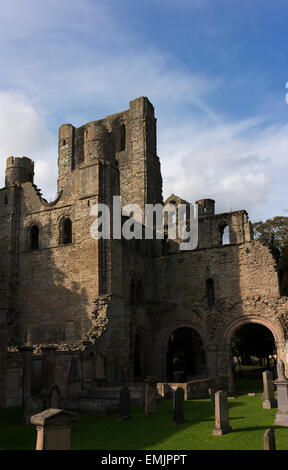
[274,326]
[160,364]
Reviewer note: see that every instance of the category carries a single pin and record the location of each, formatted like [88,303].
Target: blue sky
[215,71]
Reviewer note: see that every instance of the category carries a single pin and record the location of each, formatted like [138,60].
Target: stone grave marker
[281,418]
[54,429]
[54,397]
[151,395]
[222,425]
[125,406]
[269,401]
[211,392]
[269,440]
[178,406]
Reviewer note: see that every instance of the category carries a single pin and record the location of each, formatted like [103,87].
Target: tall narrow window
[67,232]
[34,237]
[224,234]
[210,291]
[122,138]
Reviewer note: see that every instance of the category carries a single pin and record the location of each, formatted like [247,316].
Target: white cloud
[23,133]
[77,62]
[235,164]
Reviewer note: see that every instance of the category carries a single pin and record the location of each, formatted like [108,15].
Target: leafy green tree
[274,233]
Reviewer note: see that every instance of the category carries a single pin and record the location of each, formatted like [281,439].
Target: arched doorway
[139,359]
[185,355]
[253,343]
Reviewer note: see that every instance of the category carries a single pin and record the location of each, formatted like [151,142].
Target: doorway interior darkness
[185,356]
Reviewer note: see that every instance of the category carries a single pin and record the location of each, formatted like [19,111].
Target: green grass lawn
[247,418]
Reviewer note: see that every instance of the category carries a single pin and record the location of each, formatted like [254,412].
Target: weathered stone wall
[97,301]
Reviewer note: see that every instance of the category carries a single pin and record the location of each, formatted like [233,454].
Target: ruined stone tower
[86,313]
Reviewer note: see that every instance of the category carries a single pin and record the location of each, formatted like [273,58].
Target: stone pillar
[48,367]
[54,429]
[151,394]
[269,401]
[269,440]
[221,414]
[27,376]
[281,418]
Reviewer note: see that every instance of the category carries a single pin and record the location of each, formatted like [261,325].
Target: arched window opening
[66,236]
[34,237]
[122,138]
[224,234]
[210,292]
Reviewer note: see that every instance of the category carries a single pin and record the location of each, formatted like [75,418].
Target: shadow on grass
[153,431]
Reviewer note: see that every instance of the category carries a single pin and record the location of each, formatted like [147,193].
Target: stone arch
[224,234]
[163,343]
[66,230]
[119,132]
[275,328]
[34,236]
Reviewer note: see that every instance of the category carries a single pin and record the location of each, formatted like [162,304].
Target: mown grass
[247,417]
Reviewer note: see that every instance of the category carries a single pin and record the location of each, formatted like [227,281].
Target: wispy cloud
[73,61]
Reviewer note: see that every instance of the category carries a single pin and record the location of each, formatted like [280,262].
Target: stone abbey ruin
[92,315]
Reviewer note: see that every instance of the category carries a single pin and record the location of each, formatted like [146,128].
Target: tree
[274,233]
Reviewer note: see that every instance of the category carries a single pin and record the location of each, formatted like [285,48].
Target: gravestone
[125,407]
[281,418]
[269,401]
[178,406]
[151,395]
[211,392]
[269,440]
[54,396]
[54,429]
[222,425]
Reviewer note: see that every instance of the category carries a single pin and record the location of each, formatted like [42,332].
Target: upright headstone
[54,397]
[211,392]
[269,401]
[125,407]
[151,395]
[54,429]
[222,425]
[269,440]
[178,406]
[281,418]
